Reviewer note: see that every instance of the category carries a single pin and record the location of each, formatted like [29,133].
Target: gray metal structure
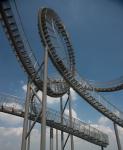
[13,105]
[57,146]
[117,137]
[26,121]
[78,83]
[51,139]
[44,102]
[53,35]
[110,86]
[26,56]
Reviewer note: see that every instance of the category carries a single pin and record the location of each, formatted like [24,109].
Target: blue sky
[95,28]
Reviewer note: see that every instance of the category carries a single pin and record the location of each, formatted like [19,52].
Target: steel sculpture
[26,56]
[58,46]
[80,85]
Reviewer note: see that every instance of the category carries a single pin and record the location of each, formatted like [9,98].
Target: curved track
[12,105]
[55,88]
[76,82]
[110,86]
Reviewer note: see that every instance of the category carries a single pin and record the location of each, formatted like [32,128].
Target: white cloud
[52,100]
[10,119]
[24,87]
[120,130]
[10,131]
[74,95]
[105,125]
[104,129]
[104,121]
[10,138]
[74,114]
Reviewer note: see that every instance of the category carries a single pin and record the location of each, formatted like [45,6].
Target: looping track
[78,84]
[55,88]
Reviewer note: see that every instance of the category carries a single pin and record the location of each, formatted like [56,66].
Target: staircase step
[7,9]
[11,23]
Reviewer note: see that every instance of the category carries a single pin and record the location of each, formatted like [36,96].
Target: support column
[117,137]
[102,148]
[51,138]
[70,115]
[62,134]
[25,122]
[29,124]
[44,102]
[56,139]
[28,144]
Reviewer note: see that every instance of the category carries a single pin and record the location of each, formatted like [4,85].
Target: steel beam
[62,134]
[36,94]
[56,139]
[44,102]
[25,122]
[33,124]
[38,115]
[66,141]
[28,144]
[102,148]
[70,115]
[65,106]
[117,137]
[51,138]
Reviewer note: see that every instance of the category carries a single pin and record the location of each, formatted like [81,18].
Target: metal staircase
[91,96]
[24,53]
[81,86]
[13,105]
